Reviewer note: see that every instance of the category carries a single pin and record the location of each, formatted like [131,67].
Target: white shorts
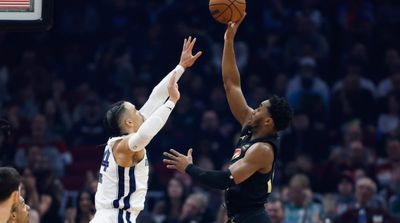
[114,216]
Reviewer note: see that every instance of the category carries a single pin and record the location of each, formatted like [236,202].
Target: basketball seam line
[229,6]
[237,2]
[237,10]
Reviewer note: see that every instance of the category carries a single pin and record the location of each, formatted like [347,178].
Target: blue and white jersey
[119,187]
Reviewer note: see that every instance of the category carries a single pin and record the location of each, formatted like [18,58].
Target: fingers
[192,44]
[169,162]
[184,44]
[169,155]
[188,43]
[172,167]
[198,54]
[190,152]
[230,25]
[174,152]
[241,20]
[237,24]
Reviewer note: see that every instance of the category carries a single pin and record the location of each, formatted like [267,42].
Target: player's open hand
[178,161]
[187,58]
[232,28]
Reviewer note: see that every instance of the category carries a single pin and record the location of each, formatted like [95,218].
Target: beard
[248,128]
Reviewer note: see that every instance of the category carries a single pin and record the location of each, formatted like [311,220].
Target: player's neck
[260,133]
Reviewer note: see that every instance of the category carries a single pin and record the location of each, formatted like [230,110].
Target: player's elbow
[138,141]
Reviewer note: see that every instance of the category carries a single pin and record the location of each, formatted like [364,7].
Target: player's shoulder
[261,149]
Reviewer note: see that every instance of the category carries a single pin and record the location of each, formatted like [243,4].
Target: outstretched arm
[258,158]
[137,141]
[231,77]
[159,93]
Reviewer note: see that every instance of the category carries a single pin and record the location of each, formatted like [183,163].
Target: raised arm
[137,141]
[159,93]
[231,77]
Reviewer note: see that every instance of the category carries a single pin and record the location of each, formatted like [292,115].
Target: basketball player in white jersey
[124,170]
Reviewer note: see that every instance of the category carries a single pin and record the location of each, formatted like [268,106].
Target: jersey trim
[128,217]
[121,186]
[132,188]
[120,213]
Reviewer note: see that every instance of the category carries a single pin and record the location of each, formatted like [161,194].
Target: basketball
[225,11]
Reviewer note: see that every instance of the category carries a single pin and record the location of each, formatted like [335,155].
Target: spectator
[351,99]
[303,138]
[50,192]
[89,129]
[57,116]
[174,200]
[276,16]
[51,145]
[367,204]
[306,41]
[194,208]
[384,167]
[345,198]
[83,211]
[389,120]
[306,91]
[362,22]
[300,207]
[391,83]
[356,73]
[394,205]
[310,10]
[275,211]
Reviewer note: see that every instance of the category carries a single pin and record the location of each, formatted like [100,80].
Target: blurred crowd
[336,61]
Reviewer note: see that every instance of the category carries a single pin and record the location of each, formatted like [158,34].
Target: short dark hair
[281,112]
[112,118]
[9,182]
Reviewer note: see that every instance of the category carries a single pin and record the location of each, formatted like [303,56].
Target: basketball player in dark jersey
[248,182]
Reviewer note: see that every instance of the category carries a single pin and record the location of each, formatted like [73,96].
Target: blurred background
[336,61]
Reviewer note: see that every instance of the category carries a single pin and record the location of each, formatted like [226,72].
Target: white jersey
[119,187]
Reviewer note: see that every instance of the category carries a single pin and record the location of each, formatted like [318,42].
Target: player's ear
[15,197]
[129,122]
[268,121]
[13,215]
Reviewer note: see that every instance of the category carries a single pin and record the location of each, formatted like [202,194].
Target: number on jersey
[105,162]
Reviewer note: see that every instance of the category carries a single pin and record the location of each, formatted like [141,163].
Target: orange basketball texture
[225,11]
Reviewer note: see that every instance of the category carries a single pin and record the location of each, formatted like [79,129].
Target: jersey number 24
[104,164]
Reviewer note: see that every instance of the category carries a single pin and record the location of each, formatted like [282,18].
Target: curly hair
[281,112]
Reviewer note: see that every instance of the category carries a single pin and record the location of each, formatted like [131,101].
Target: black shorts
[251,216]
